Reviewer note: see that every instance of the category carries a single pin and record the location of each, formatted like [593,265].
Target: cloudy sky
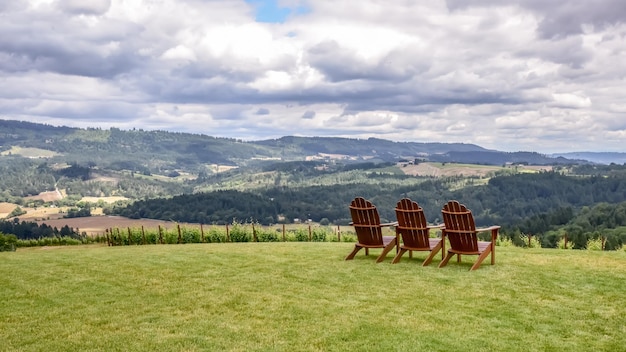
[546,76]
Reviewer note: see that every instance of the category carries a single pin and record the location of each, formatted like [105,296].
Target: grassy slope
[304,297]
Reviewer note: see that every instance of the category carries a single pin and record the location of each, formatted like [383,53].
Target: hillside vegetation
[197,178]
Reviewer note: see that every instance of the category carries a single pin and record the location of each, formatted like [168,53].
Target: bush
[266,236]
[348,237]
[152,237]
[215,235]
[504,242]
[561,244]
[170,237]
[594,244]
[319,235]
[301,235]
[8,243]
[190,235]
[238,233]
[534,241]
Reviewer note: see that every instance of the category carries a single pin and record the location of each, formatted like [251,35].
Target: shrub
[319,235]
[170,237]
[534,241]
[8,243]
[152,237]
[348,237]
[266,236]
[504,242]
[238,233]
[594,244]
[301,235]
[561,244]
[215,235]
[190,235]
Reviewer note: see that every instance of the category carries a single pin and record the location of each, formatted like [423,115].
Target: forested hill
[366,147]
[533,203]
[161,151]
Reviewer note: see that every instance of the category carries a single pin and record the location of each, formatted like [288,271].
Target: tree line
[26,230]
[536,204]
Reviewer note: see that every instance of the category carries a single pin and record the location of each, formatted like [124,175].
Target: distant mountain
[596,157]
[501,158]
[365,148]
[163,152]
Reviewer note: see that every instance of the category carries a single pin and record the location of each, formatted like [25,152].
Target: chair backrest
[366,222]
[460,227]
[412,225]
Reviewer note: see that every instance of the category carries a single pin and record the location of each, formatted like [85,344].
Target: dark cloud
[263,111]
[72,48]
[568,51]
[82,7]
[342,64]
[560,18]
[308,115]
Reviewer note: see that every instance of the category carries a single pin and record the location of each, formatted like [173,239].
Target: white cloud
[518,75]
[571,100]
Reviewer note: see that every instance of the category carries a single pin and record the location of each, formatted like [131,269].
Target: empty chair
[368,228]
[414,231]
[462,234]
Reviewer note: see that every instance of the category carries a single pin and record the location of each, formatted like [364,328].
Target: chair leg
[445,260]
[433,252]
[481,257]
[386,250]
[396,259]
[354,252]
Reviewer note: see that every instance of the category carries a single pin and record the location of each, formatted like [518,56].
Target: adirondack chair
[462,234]
[415,232]
[366,222]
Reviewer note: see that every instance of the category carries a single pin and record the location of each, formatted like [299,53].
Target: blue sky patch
[270,11]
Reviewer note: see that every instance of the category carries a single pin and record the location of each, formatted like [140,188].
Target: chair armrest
[433,227]
[490,228]
[395,223]
[493,229]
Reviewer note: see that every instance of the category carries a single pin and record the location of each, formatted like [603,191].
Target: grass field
[298,296]
[29,152]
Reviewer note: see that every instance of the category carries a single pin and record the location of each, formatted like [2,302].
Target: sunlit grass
[298,296]
[29,152]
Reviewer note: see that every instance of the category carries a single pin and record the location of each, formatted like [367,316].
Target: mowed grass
[298,296]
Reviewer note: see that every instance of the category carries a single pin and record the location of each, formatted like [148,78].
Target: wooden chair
[462,234]
[415,232]
[368,229]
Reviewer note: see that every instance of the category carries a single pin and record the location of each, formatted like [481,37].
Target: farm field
[305,297]
[431,169]
[6,209]
[97,225]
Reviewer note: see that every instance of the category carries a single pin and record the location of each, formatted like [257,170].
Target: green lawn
[299,296]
